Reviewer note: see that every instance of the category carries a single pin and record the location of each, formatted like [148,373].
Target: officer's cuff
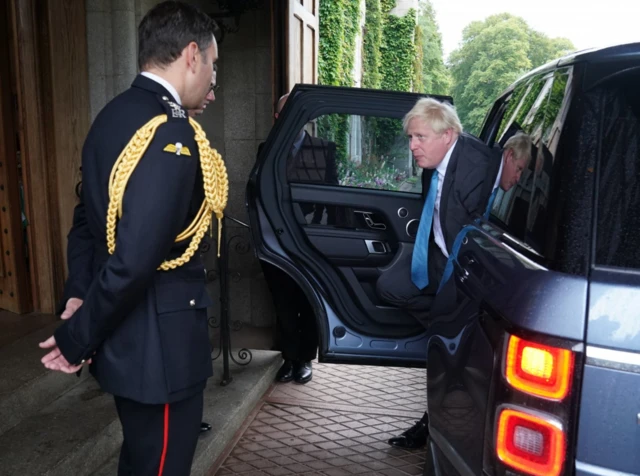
[75,353]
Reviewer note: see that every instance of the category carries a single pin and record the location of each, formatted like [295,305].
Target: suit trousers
[296,330]
[159,440]
[396,288]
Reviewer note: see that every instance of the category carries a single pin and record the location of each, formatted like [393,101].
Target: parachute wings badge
[177,149]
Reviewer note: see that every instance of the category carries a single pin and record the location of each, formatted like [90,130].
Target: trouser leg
[159,440]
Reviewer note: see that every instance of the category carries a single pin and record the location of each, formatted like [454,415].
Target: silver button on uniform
[192,303]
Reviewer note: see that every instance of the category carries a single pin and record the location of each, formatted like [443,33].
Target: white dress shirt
[441,169]
[167,85]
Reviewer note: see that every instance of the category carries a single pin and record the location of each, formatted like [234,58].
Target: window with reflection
[537,107]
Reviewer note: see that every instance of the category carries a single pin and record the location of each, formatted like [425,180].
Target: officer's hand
[73,304]
[54,360]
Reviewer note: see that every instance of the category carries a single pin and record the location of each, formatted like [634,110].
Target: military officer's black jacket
[147,328]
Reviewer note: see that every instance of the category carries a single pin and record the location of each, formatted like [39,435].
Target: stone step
[25,385]
[80,434]
[75,435]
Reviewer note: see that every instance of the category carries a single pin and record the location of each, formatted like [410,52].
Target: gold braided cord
[216,188]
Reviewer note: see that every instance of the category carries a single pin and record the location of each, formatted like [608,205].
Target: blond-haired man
[458,175]
[515,158]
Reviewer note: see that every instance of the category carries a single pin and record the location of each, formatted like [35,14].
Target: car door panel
[364,249]
[397,211]
[351,248]
[341,258]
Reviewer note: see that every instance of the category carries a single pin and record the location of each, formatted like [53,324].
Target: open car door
[334,201]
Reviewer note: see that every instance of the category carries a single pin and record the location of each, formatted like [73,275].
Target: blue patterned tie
[492,199]
[419,260]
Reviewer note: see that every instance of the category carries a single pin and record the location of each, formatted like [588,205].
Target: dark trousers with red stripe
[159,440]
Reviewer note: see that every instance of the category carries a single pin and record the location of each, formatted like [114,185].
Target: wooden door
[303,26]
[14,282]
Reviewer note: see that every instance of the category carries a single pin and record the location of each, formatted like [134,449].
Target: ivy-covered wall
[371,41]
[398,52]
[388,62]
[339,21]
[397,64]
[389,44]
[331,42]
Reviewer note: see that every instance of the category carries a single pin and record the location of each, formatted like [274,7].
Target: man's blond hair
[520,143]
[440,116]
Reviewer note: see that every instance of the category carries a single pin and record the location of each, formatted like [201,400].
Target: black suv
[534,365]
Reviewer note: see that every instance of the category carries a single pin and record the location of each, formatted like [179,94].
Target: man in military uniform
[144,329]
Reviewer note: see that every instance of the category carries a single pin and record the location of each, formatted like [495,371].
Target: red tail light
[537,369]
[530,443]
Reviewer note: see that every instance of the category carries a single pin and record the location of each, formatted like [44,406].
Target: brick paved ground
[337,424]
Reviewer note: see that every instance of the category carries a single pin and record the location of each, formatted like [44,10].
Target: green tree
[492,55]
[431,74]
[543,49]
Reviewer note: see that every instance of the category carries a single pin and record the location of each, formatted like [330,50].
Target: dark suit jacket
[148,328]
[468,183]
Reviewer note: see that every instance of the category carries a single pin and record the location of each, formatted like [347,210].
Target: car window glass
[618,211]
[537,107]
[354,151]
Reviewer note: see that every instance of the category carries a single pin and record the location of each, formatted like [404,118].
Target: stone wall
[112,46]
[236,123]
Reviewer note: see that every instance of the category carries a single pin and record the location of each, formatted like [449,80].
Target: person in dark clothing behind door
[311,160]
[135,300]
[458,177]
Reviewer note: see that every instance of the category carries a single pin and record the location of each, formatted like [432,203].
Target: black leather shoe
[285,374]
[415,437]
[204,427]
[302,372]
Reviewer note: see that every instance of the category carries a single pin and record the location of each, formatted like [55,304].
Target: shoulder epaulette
[173,110]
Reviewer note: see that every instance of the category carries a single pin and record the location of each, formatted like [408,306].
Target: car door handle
[376,247]
[369,221]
